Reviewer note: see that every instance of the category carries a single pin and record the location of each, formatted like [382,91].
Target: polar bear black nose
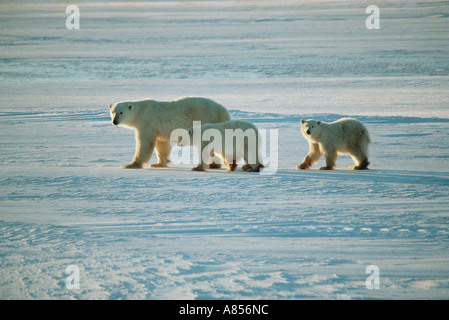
[308,131]
[115,122]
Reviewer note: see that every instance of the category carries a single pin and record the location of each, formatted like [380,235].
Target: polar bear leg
[251,167]
[144,149]
[216,163]
[163,149]
[231,166]
[360,160]
[359,155]
[331,158]
[313,156]
[204,158]
[361,166]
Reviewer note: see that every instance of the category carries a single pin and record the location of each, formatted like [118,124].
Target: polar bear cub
[233,141]
[347,136]
[153,121]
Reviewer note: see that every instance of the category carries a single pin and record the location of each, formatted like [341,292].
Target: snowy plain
[177,234]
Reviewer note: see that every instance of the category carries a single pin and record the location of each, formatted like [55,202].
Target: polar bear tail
[224,116]
[365,135]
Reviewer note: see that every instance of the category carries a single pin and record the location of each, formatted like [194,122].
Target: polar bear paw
[198,168]
[303,166]
[214,165]
[132,166]
[158,165]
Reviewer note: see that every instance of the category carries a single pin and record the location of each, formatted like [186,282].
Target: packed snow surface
[172,233]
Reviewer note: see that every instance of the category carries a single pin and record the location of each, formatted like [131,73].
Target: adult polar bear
[154,121]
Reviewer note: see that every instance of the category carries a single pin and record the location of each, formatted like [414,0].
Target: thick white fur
[246,148]
[346,136]
[153,122]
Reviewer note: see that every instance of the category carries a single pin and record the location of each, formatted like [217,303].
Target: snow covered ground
[177,234]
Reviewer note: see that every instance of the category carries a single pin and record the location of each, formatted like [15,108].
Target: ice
[177,234]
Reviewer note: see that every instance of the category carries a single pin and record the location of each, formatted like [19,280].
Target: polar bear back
[345,135]
[231,124]
[166,116]
[348,129]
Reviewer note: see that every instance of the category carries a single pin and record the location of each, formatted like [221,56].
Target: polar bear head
[311,129]
[122,113]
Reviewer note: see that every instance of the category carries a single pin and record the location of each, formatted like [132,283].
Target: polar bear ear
[318,122]
[129,107]
[110,106]
[302,120]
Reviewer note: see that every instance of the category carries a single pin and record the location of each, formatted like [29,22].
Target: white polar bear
[345,135]
[233,141]
[153,122]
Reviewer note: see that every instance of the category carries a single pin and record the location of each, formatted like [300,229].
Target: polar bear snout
[115,119]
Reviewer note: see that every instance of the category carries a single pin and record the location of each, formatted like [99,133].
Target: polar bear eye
[121,112]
